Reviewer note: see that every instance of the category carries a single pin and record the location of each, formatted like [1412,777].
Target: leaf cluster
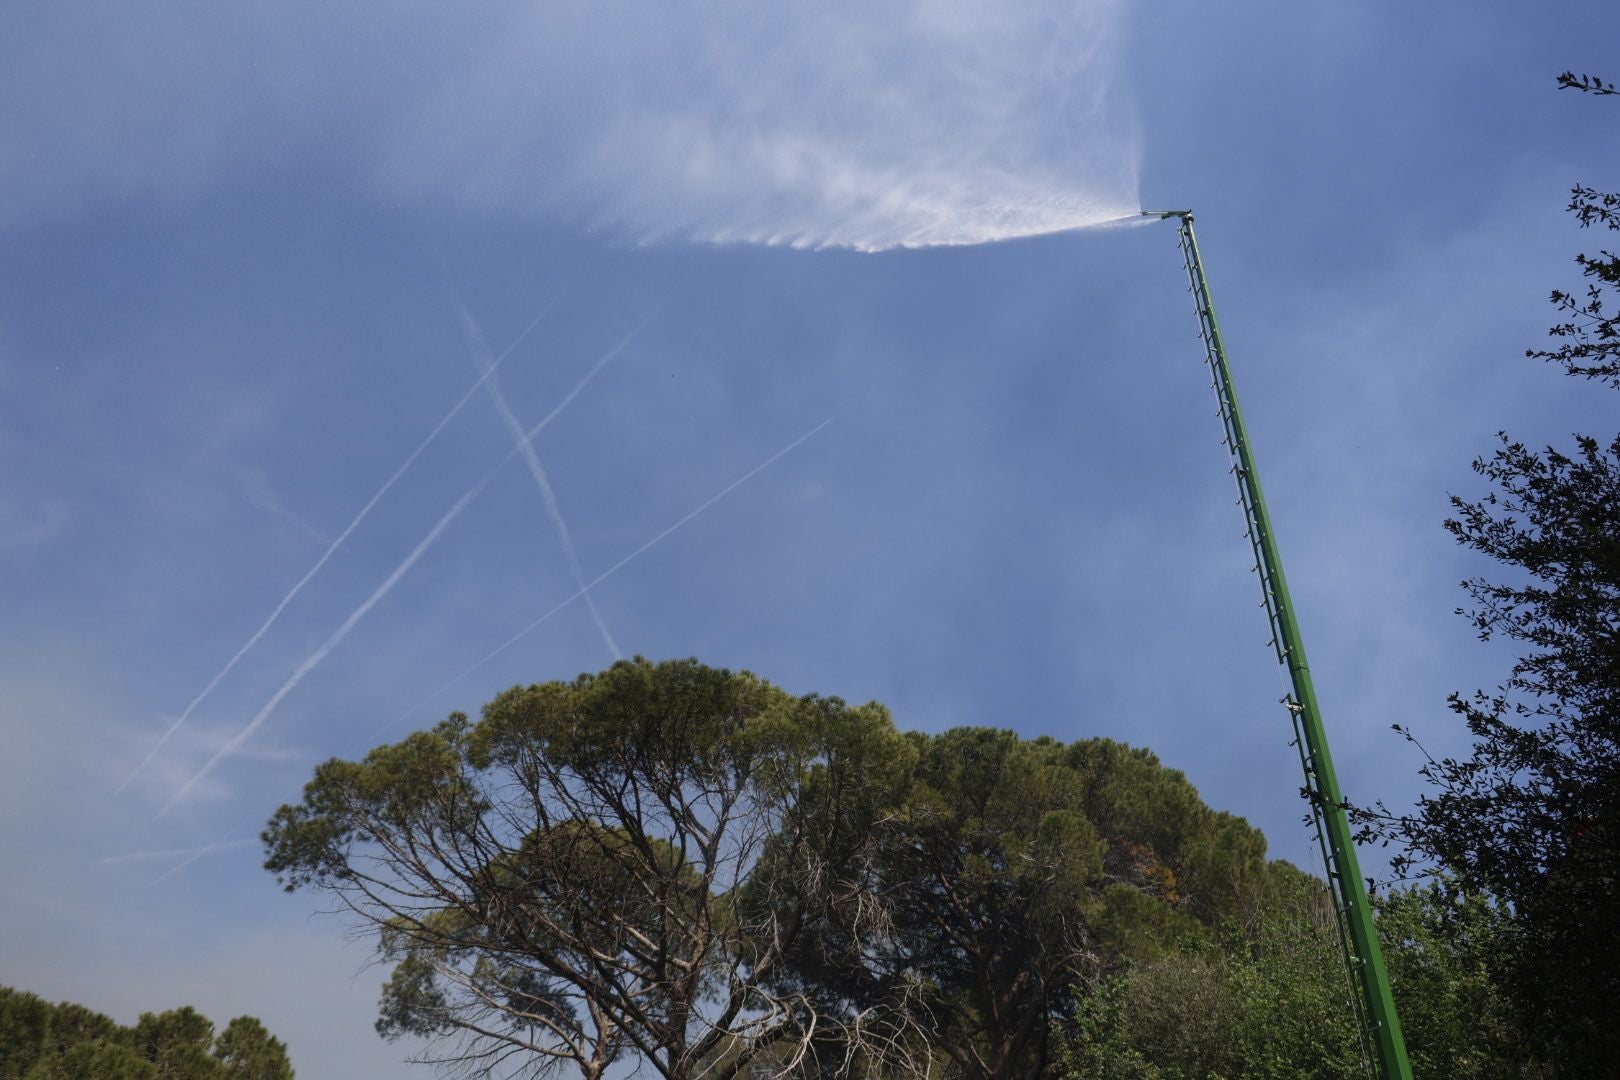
[1270,998]
[1589,334]
[42,1041]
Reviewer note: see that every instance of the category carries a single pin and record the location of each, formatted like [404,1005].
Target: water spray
[1380,1027]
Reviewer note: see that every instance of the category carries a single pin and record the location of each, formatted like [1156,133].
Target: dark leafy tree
[1441,946]
[1589,336]
[249,1052]
[992,867]
[578,878]
[95,1061]
[1530,817]
[1264,996]
[1011,872]
[25,1026]
[178,1042]
[1267,998]
[41,1041]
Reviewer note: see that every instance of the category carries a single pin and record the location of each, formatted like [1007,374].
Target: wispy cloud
[331,549]
[258,493]
[812,124]
[834,122]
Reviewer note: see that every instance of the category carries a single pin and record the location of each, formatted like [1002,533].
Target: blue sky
[238,256]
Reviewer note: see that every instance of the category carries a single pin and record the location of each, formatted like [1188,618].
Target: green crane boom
[1380,1027]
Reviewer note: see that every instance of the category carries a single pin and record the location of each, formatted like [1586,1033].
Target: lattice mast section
[1380,1027]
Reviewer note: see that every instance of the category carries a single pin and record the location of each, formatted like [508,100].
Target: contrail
[480,350]
[615,568]
[174,853]
[331,642]
[331,549]
[223,842]
[382,590]
[584,589]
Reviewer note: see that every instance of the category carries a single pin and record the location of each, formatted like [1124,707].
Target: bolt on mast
[1380,1027]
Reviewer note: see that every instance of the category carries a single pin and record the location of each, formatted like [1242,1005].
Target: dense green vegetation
[689,869]
[42,1041]
[1271,999]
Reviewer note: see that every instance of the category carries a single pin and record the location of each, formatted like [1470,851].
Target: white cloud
[832,123]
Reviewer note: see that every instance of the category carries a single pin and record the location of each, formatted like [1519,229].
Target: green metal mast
[1380,1027]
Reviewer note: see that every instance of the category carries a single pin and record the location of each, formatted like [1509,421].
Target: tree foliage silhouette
[1530,816]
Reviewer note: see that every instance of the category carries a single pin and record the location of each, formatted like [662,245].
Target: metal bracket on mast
[1375,1007]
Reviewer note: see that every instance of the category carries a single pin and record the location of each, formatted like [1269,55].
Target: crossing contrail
[481,355]
[388,583]
[223,842]
[224,839]
[264,628]
[585,588]
[332,642]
